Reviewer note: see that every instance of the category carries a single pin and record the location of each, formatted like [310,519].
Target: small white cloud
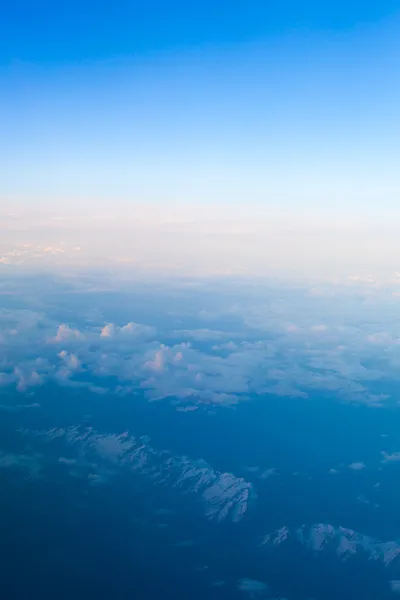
[267,473]
[357,466]
[387,457]
[187,408]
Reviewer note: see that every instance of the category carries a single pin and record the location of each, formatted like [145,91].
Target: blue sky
[292,106]
[49,32]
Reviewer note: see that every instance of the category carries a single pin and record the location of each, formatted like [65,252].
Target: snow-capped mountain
[345,543]
[223,495]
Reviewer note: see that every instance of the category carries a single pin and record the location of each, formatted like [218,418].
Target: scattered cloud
[288,344]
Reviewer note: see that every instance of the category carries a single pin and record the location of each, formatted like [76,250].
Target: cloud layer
[246,340]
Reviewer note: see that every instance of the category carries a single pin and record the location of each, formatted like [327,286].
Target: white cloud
[25,380]
[272,361]
[159,362]
[267,473]
[129,331]
[66,333]
[71,360]
[272,366]
[390,457]
[137,330]
[108,330]
[357,466]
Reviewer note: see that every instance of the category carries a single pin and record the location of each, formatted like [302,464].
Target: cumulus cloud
[71,360]
[66,333]
[131,353]
[159,362]
[319,353]
[108,330]
[26,379]
[137,330]
[185,372]
[129,331]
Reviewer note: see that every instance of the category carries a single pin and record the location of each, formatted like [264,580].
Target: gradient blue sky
[291,105]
